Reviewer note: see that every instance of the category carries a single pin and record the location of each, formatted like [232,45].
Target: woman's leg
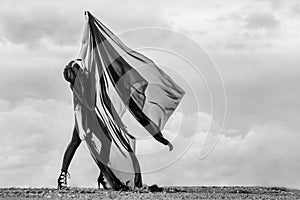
[70,151]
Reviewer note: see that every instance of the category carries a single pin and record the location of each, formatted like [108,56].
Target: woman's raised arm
[84,38]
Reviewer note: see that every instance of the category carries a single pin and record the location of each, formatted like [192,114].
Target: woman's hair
[70,71]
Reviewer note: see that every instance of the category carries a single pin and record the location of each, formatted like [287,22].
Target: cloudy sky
[252,48]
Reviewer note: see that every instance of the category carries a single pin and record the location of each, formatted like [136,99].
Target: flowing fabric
[114,79]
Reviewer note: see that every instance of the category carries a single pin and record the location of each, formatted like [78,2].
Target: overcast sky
[254,45]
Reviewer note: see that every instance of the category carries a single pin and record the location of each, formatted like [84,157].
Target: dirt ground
[232,192]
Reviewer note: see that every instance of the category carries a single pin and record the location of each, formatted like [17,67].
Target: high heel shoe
[101,181]
[62,180]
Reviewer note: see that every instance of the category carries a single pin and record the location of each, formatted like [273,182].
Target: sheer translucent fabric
[113,79]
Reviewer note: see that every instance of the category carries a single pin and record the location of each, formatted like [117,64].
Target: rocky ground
[168,193]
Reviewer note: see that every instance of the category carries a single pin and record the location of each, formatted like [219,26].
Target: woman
[103,90]
[70,73]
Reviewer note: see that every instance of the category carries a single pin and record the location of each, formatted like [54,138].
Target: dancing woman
[100,75]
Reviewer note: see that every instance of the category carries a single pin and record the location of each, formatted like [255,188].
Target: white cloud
[261,21]
[4,105]
[33,135]
[266,156]
[60,23]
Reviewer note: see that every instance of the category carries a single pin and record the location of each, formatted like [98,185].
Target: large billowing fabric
[115,79]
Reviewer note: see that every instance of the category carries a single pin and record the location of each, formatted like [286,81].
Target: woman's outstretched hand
[86,16]
[170,146]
